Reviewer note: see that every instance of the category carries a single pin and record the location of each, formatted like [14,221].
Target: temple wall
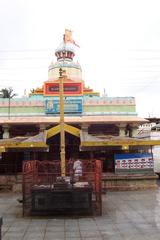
[109,183]
[11,182]
[86,109]
[106,108]
[22,110]
[124,182]
[72,73]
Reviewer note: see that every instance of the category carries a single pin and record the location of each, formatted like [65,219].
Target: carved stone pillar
[134,131]
[122,131]
[42,128]
[85,127]
[5,131]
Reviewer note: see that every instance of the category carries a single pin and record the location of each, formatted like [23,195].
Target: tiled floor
[126,215]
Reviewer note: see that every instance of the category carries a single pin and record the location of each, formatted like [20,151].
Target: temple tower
[65,54]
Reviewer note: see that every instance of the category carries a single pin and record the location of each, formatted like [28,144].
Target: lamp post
[62,132]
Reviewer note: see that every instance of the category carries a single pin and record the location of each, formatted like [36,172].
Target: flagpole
[62,132]
[61,104]
[67,37]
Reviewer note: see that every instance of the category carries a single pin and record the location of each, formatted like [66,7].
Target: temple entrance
[71,147]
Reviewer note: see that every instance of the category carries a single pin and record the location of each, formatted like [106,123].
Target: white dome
[67,47]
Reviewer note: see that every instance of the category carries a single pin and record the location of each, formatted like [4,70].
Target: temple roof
[73,119]
[34,143]
[89,141]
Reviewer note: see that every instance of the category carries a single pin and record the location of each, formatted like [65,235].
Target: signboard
[134,163]
[156,155]
[70,106]
[52,89]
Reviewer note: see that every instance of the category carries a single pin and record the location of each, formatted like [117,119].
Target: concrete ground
[126,215]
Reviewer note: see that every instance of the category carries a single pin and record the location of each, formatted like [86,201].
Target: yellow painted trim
[91,93]
[125,147]
[68,128]
[2,149]
[64,81]
[53,131]
[65,94]
[121,143]
[32,94]
[24,145]
[72,130]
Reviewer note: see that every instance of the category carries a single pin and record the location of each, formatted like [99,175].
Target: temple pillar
[42,128]
[85,127]
[134,131]
[122,128]
[5,131]
[122,131]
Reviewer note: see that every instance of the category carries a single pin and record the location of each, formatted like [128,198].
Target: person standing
[77,168]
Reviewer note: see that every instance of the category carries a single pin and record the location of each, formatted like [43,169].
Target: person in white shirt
[77,167]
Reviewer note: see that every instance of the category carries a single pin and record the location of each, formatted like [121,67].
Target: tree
[8,93]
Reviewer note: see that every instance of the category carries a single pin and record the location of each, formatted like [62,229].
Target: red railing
[46,172]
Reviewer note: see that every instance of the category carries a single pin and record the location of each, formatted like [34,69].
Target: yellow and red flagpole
[62,132]
[66,38]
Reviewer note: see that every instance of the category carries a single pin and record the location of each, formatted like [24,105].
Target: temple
[96,127]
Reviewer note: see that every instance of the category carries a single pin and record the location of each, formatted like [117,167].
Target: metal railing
[38,173]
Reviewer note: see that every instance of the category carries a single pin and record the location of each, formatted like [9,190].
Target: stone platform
[110,182]
[113,182]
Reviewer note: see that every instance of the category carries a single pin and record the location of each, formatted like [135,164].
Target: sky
[119,45]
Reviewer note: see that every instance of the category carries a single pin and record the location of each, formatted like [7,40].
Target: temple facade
[96,127]
[83,105]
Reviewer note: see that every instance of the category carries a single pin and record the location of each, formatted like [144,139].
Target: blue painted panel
[132,155]
[70,106]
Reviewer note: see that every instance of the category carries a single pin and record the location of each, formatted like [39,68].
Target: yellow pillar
[62,132]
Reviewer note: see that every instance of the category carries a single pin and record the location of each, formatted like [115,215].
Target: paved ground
[126,215]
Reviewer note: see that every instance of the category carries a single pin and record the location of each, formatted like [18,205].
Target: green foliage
[7,93]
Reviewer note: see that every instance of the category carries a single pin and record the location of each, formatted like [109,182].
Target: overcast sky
[119,45]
